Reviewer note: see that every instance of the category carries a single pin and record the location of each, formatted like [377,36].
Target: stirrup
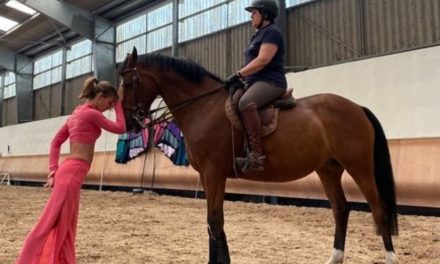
[247,164]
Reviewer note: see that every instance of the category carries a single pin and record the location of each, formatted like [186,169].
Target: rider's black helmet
[268,8]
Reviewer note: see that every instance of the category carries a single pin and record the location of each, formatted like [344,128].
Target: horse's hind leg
[364,178]
[330,175]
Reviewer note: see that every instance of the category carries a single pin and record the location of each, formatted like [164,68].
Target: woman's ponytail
[92,87]
[89,88]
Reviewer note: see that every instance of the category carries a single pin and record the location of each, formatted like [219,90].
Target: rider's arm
[270,43]
[265,55]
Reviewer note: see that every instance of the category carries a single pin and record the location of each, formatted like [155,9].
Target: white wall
[403,90]
[34,137]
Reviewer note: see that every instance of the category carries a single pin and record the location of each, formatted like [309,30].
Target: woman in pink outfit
[52,240]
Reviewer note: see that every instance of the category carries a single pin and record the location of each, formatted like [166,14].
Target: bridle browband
[139,113]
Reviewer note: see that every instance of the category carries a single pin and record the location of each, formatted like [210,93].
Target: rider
[263,76]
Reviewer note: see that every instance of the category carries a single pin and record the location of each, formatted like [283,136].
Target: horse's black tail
[383,173]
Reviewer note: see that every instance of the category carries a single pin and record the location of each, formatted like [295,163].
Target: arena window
[47,70]
[236,13]
[129,34]
[160,29]
[290,3]
[152,30]
[204,23]
[79,59]
[9,85]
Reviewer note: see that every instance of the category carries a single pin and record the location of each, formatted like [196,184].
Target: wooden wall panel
[221,52]
[73,89]
[209,51]
[9,112]
[47,102]
[239,38]
[323,32]
[326,32]
[392,25]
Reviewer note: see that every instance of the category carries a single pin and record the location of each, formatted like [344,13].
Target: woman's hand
[121,91]
[50,180]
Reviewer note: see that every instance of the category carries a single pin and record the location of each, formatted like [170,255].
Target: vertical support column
[281,20]
[175,46]
[2,92]
[361,16]
[24,91]
[63,83]
[104,51]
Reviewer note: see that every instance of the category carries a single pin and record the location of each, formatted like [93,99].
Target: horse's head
[140,90]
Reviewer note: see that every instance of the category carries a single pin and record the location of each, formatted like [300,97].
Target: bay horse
[324,133]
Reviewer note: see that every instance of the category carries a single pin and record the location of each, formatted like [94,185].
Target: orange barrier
[416,164]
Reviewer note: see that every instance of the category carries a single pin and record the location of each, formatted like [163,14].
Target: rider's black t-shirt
[272,72]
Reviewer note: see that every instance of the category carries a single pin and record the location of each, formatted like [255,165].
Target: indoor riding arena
[150,198]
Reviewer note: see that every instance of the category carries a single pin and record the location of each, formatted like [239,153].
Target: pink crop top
[84,126]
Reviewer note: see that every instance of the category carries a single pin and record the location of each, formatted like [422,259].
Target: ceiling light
[20,7]
[6,24]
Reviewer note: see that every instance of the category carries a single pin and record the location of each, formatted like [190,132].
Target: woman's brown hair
[92,87]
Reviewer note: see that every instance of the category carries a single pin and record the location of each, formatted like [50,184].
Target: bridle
[139,114]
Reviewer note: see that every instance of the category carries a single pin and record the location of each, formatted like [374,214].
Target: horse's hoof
[391,258]
[337,257]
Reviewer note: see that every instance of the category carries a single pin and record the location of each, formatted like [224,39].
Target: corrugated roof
[37,34]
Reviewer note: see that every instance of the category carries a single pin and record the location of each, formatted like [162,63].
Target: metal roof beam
[7,59]
[75,18]
[94,27]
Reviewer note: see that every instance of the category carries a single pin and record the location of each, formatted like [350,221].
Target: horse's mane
[188,69]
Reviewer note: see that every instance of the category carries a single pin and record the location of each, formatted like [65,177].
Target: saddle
[268,113]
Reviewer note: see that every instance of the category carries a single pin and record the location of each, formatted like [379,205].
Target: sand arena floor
[118,227]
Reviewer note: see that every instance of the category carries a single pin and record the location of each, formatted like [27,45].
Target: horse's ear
[134,55]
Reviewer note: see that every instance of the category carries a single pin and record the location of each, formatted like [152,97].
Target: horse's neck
[190,108]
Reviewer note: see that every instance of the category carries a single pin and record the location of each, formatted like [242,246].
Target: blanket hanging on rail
[166,136]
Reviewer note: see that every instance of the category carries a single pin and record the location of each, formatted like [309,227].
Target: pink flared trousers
[52,240]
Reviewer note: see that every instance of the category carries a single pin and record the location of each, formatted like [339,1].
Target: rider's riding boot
[252,124]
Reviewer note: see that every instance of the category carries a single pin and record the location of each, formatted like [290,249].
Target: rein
[140,115]
[164,116]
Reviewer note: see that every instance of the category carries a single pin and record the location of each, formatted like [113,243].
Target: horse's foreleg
[330,175]
[218,245]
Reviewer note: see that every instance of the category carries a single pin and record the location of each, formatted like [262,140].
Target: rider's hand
[234,80]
